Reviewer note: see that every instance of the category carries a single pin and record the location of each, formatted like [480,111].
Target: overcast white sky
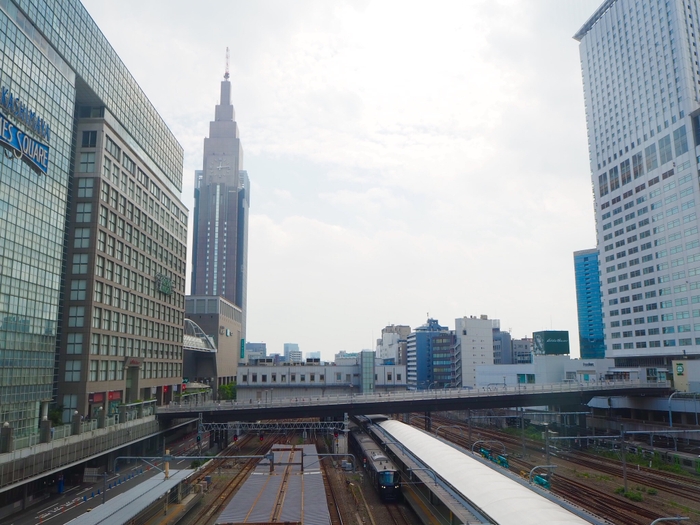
[406,158]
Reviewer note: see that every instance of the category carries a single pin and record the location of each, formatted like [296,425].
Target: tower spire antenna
[226,75]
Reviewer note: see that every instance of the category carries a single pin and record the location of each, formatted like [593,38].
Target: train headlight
[396,486]
[383,486]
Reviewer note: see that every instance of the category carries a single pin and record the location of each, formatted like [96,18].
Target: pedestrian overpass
[559,394]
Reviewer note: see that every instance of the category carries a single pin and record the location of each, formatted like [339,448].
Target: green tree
[56,415]
[227,391]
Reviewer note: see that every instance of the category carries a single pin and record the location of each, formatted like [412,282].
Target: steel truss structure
[237,427]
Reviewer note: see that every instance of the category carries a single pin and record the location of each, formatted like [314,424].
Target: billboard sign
[551,342]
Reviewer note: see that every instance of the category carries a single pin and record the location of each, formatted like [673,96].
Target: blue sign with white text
[24,147]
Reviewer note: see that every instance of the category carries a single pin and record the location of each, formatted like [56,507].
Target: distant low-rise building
[421,346]
[266,382]
[392,345]
[255,351]
[346,358]
[502,345]
[522,350]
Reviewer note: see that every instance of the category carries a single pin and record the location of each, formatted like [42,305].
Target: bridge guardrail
[408,395]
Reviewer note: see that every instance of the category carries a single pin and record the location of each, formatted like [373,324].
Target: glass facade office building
[588,301]
[54,61]
[427,343]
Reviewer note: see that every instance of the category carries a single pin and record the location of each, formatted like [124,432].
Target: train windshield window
[386,477]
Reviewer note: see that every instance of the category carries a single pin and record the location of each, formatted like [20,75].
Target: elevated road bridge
[559,394]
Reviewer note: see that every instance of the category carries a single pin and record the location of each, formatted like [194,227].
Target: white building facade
[392,344]
[261,383]
[474,341]
[642,91]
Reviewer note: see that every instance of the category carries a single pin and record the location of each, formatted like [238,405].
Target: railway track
[599,502]
[396,514]
[617,510]
[232,485]
[642,476]
[331,498]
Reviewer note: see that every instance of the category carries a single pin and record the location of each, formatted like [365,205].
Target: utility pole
[624,456]
[522,427]
[546,445]
[469,420]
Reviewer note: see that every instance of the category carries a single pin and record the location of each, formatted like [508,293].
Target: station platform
[131,504]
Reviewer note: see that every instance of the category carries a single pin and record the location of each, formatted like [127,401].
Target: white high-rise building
[474,340]
[641,79]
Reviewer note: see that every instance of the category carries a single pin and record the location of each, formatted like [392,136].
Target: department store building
[92,228]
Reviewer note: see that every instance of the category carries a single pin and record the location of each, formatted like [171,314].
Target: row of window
[118,274]
[114,296]
[338,377]
[130,166]
[105,319]
[631,58]
[103,344]
[114,370]
[621,175]
[656,344]
[135,211]
[139,239]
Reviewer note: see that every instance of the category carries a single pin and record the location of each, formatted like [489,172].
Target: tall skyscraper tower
[222,197]
[588,302]
[642,92]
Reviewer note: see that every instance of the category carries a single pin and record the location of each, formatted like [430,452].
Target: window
[77,289]
[128,164]
[72,371]
[680,141]
[82,238]
[87,162]
[74,344]
[80,263]
[113,149]
[614,178]
[83,211]
[85,186]
[76,316]
[637,168]
[625,171]
[665,149]
[70,403]
[650,156]
[89,139]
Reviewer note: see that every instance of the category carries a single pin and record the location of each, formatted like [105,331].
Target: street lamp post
[670,413]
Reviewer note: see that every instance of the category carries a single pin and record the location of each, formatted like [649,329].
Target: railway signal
[235,437]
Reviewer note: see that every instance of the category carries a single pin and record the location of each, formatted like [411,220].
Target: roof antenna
[226,75]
